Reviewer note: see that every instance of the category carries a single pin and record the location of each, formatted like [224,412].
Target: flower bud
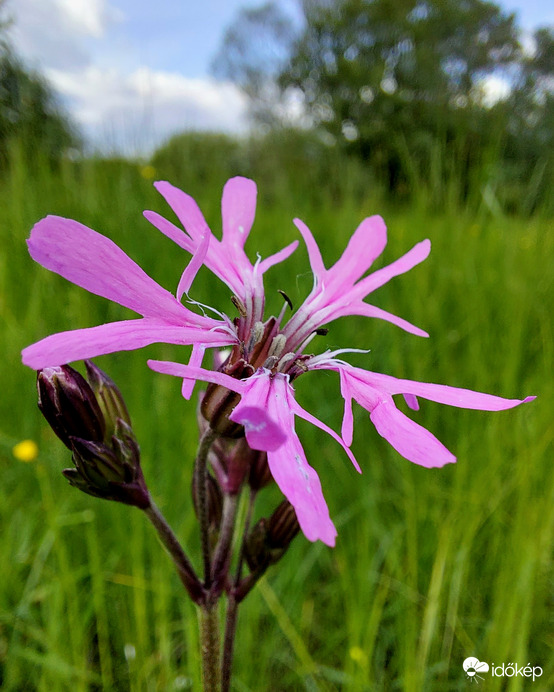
[93,422]
[269,539]
[68,403]
[259,475]
[108,396]
[218,402]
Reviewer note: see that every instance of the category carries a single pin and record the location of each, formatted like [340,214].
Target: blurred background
[439,116]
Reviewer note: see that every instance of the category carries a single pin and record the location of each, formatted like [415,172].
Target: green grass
[431,566]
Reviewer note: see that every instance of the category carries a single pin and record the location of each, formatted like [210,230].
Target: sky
[133,72]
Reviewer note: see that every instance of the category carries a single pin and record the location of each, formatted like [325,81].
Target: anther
[277,345]
[286,298]
[240,306]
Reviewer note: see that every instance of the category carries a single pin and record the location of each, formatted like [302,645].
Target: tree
[29,110]
[255,49]
[397,75]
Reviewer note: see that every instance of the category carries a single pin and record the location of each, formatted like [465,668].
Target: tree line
[426,93]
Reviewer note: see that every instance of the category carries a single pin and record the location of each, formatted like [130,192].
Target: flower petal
[80,344]
[400,266]
[177,235]
[238,209]
[411,440]
[366,244]
[262,433]
[314,255]
[302,413]
[442,394]
[277,257]
[191,270]
[95,263]
[186,210]
[367,310]
[300,484]
[195,361]
[193,373]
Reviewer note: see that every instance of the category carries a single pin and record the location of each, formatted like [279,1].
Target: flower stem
[182,563]
[209,644]
[200,479]
[228,642]
[222,552]
[233,604]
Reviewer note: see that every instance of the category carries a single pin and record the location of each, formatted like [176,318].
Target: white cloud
[134,112]
[54,33]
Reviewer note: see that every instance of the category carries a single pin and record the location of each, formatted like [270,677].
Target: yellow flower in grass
[26,450]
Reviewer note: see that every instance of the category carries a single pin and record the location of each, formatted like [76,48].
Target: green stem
[233,604]
[209,645]
[228,642]
[200,480]
[182,563]
[221,556]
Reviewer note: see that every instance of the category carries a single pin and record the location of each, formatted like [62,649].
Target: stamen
[286,298]
[277,345]
[237,302]
[257,333]
[286,359]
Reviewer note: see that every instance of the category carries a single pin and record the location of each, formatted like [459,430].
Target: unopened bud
[68,403]
[269,539]
[108,396]
[218,402]
[259,475]
[282,527]
[93,422]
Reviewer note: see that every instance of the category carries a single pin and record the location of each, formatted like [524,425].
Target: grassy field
[430,567]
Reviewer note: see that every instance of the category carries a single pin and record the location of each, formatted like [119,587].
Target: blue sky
[132,72]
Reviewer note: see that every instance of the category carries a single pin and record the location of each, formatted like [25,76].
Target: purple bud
[68,403]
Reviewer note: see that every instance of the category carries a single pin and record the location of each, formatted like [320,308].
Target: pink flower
[267,410]
[267,354]
[374,391]
[95,263]
[270,356]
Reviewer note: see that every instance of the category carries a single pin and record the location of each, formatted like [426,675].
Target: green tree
[396,76]
[30,114]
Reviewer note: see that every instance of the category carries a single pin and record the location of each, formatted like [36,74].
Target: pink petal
[299,411]
[262,433]
[442,394]
[300,484]
[403,264]
[191,270]
[127,335]
[238,208]
[412,441]
[347,429]
[195,361]
[277,257]
[411,401]
[95,263]
[193,373]
[316,261]
[186,210]
[366,244]
[367,310]
[177,235]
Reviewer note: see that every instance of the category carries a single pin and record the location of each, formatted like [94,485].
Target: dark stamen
[237,302]
[322,331]
[287,299]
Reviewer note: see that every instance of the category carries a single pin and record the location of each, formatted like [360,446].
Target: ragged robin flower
[251,392]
